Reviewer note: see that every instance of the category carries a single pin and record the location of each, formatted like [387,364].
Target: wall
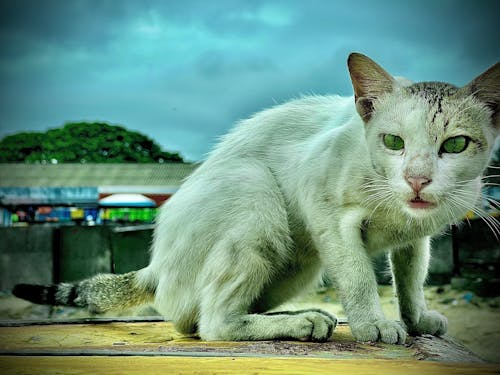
[130,248]
[42,254]
[46,254]
[82,252]
[26,255]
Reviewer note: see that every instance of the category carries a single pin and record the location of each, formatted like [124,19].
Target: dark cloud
[72,24]
[183,72]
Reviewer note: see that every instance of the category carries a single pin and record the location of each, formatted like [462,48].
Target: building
[69,192]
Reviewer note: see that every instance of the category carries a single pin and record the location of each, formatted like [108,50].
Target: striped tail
[98,294]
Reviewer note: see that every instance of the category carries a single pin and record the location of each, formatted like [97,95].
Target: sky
[183,72]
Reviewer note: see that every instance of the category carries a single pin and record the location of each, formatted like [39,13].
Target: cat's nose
[417,183]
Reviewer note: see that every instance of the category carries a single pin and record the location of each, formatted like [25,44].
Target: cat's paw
[431,323]
[387,331]
[314,326]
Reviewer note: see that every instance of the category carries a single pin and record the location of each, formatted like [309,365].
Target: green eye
[455,145]
[393,142]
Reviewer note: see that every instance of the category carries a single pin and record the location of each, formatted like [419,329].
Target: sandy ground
[473,320]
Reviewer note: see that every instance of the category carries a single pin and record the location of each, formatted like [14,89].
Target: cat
[314,186]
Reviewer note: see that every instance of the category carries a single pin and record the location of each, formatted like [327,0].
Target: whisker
[492,224]
[490,221]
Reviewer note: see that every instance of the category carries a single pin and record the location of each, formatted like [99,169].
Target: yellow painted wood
[243,366]
[162,338]
[55,336]
[155,347]
[148,335]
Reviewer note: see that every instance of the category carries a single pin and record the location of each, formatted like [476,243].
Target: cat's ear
[486,88]
[369,81]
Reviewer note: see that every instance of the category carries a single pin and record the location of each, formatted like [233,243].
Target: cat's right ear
[369,81]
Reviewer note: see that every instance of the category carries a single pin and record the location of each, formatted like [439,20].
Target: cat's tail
[98,294]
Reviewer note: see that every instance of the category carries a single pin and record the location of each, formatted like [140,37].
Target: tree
[84,142]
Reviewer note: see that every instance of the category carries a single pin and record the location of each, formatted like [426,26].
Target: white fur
[302,189]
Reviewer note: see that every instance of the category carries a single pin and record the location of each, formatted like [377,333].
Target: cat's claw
[431,323]
[387,331]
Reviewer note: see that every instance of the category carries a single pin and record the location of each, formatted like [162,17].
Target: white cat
[319,184]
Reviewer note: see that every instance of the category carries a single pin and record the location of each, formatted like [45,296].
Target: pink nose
[418,183]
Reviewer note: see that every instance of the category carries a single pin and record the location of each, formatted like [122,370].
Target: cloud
[184,72]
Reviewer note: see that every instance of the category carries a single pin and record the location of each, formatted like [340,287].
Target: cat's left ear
[486,88]
[369,81]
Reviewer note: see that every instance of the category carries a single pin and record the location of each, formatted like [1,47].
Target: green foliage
[84,142]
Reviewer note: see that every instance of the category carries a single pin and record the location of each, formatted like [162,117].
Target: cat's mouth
[420,203]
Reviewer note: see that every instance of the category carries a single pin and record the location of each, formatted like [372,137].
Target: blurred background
[106,106]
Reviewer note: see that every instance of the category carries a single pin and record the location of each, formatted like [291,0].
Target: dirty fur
[306,188]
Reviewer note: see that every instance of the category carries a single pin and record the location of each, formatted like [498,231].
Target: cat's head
[429,142]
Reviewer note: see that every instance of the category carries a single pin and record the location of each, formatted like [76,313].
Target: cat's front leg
[343,252]
[409,267]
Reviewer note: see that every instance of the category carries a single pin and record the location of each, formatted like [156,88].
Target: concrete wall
[46,254]
[479,247]
[479,259]
[26,255]
[82,252]
[130,249]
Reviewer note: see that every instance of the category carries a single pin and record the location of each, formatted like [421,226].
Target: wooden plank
[45,322]
[234,365]
[159,338]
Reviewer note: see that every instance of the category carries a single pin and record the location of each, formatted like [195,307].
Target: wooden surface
[155,347]
[236,365]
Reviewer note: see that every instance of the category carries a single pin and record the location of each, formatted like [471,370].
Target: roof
[94,175]
[81,196]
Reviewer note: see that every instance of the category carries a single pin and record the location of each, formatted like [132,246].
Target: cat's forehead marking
[433,93]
